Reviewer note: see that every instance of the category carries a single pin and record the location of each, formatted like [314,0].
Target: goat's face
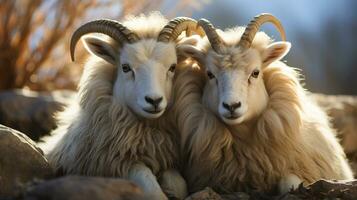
[235,89]
[234,62]
[144,76]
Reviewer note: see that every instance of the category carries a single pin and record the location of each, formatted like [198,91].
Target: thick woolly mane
[258,153]
[105,138]
[146,26]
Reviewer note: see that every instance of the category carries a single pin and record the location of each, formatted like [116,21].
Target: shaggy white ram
[122,124]
[248,122]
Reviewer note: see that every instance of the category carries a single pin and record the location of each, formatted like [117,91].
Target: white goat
[249,123]
[119,127]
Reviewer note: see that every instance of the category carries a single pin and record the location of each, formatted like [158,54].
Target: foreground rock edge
[20,161]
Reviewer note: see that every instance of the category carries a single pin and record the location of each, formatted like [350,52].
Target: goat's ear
[100,48]
[274,52]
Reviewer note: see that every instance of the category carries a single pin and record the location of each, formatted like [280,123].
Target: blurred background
[34,36]
[37,76]
[322,33]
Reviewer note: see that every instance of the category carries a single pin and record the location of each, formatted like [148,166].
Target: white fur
[143,176]
[150,61]
[288,183]
[173,184]
[111,134]
[280,136]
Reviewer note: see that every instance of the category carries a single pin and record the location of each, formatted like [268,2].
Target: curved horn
[253,28]
[176,26]
[112,28]
[212,35]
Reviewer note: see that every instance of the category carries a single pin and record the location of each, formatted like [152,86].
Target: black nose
[153,101]
[231,107]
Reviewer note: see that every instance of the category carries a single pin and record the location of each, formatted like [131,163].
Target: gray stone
[79,187]
[32,112]
[20,161]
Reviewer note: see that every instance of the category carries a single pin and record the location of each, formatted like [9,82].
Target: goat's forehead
[150,50]
[233,58]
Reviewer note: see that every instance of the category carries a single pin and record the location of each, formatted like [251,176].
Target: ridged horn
[253,28]
[212,35]
[112,28]
[176,26]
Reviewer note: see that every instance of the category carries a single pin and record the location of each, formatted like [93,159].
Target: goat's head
[146,66]
[235,88]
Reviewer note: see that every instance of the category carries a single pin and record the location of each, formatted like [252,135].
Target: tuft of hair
[146,26]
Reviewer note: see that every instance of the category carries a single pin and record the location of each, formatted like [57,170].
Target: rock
[32,112]
[79,187]
[322,189]
[327,189]
[288,196]
[237,196]
[20,161]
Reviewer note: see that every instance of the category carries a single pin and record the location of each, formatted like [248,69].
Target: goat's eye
[210,75]
[172,67]
[126,68]
[255,73]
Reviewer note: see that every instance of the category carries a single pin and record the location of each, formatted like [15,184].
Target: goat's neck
[243,131]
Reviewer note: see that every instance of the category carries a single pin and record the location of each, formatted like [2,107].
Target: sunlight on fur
[280,134]
[109,135]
